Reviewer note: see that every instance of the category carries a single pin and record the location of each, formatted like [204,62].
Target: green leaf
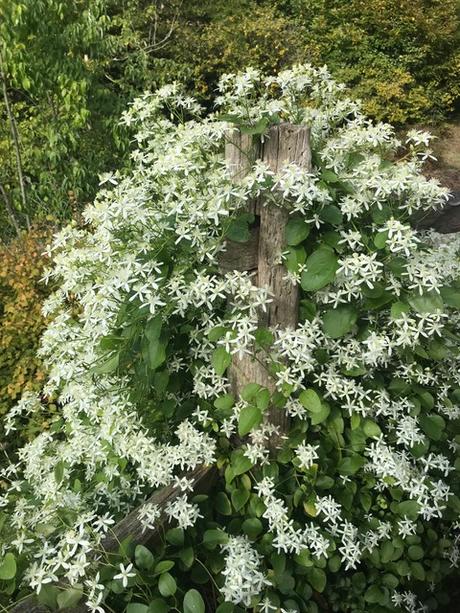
[415,552]
[324,482]
[334,564]
[366,500]
[167,585]
[397,265]
[329,176]
[351,464]
[252,527]
[403,568]
[432,425]
[319,416]
[354,159]
[307,310]
[214,537]
[426,399]
[355,420]
[303,558]
[158,606]
[153,328]
[258,128]
[110,342]
[143,557]
[193,602]
[331,214]
[222,504]
[249,418]
[156,353]
[310,400]
[380,214]
[59,471]
[297,230]
[427,303]
[380,239]
[240,498]
[316,577]
[240,463]
[224,403]
[389,580]
[371,428]
[374,594]
[451,297]
[386,552]
[320,270]
[263,399]
[225,607]
[249,391]
[294,257]
[398,308]
[417,571]
[187,557]
[437,349]
[48,596]
[137,607]
[108,366]
[70,597]
[8,567]
[216,333]
[410,508]
[163,566]
[175,536]
[339,321]
[238,229]
[221,360]
[264,337]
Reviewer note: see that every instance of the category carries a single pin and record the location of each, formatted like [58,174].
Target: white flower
[125,574]
[182,511]
[242,577]
[306,454]
[406,527]
[148,515]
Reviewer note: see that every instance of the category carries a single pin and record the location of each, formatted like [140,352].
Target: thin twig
[10,210]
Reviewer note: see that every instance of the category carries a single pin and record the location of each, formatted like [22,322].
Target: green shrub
[69,69]
[401,57]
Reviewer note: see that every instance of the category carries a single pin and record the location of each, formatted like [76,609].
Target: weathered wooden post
[285,144]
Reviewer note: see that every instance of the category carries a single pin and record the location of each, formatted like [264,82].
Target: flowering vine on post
[283,144]
[249,307]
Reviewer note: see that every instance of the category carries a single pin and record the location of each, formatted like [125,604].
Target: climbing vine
[357,505]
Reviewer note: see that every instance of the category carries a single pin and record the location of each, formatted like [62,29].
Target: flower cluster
[243,579]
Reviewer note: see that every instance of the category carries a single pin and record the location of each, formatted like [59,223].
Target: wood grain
[285,144]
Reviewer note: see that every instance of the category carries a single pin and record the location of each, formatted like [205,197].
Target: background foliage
[69,68]
[21,321]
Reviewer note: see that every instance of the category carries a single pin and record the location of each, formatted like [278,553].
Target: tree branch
[10,210]
[15,136]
